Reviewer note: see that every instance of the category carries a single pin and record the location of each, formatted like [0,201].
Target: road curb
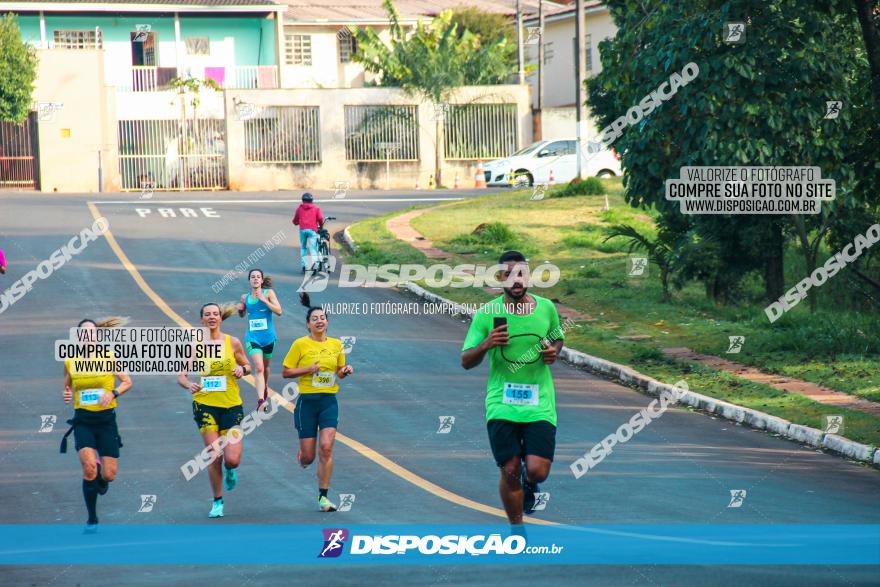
[349,242]
[747,416]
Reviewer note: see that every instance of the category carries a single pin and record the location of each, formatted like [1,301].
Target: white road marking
[359,200]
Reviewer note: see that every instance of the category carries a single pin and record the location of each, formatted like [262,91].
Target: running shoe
[91,527]
[299,459]
[260,402]
[103,485]
[230,479]
[529,491]
[216,510]
[325,505]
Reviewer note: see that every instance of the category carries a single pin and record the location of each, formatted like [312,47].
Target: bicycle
[322,264]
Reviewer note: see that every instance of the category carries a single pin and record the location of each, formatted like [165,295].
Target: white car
[536,163]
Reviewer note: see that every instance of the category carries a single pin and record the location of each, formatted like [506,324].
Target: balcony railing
[150,78]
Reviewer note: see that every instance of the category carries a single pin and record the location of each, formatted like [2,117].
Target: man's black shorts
[97,430]
[214,419]
[509,439]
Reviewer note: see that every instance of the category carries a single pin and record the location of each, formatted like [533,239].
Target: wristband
[115,394]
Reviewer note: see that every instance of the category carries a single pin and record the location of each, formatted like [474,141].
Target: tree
[760,103]
[431,62]
[659,250]
[491,28]
[18,71]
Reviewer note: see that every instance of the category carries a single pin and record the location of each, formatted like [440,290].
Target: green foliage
[591,186]
[758,103]
[660,250]
[492,29]
[494,236]
[434,59]
[18,71]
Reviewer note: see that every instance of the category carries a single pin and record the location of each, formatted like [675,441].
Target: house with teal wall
[146,44]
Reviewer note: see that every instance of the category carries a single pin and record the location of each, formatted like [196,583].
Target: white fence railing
[253,77]
[144,78]
[151,78]
[172,154]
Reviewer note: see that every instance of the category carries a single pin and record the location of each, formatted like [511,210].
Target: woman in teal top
[259,305]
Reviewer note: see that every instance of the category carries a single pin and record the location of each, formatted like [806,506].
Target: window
[346,45]
[282,134]
[68,39]
[197,46]
[588,51]
[558,149]
[548,52]
[298,49]
[480,131]
[379,133]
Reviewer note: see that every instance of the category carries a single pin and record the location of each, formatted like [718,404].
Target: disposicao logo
[334,540]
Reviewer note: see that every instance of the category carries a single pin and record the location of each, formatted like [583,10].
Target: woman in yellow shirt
[319,363]
[94,395]
[217,402]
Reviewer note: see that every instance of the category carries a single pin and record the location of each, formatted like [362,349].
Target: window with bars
[381,133]
[346,45]
[75,39]
[588,51]
[283,134]
[197,46]
[298,49]
[480,131]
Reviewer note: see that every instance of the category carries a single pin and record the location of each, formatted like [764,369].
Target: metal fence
[479,131]
[381,133]
[172,155]
[18,154]
[282,134]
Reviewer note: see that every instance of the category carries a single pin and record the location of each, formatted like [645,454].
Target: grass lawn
[838,349]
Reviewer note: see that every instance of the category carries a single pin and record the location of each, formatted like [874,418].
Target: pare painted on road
[178,212]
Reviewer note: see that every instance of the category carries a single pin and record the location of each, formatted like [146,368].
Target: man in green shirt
[521,334]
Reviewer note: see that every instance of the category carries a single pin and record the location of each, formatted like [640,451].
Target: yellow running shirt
[305,351]
[88,387]
[219,385]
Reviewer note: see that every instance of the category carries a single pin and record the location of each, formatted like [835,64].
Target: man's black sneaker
[529,491]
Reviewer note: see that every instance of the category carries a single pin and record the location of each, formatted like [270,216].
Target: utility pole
[519,45]
[540,124]
[581,74]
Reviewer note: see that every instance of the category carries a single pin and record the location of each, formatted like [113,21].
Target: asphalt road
[679,470]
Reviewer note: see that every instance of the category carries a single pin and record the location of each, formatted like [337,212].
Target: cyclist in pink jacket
[309,219]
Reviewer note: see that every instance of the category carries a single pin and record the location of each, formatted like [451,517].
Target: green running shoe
[325,505]
[216,510]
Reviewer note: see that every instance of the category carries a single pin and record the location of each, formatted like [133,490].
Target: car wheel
[522,179]
[605,173]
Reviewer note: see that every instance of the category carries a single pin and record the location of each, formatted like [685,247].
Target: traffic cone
[431,185]
[455,185]
[480,177]
[552,179]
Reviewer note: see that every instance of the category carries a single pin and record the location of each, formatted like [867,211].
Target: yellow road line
[353,444]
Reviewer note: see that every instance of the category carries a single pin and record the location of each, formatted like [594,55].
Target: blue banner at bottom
[243,544]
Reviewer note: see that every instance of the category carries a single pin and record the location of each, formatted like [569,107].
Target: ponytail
[112,322]
[227,309]
[306,301]
[108,322]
